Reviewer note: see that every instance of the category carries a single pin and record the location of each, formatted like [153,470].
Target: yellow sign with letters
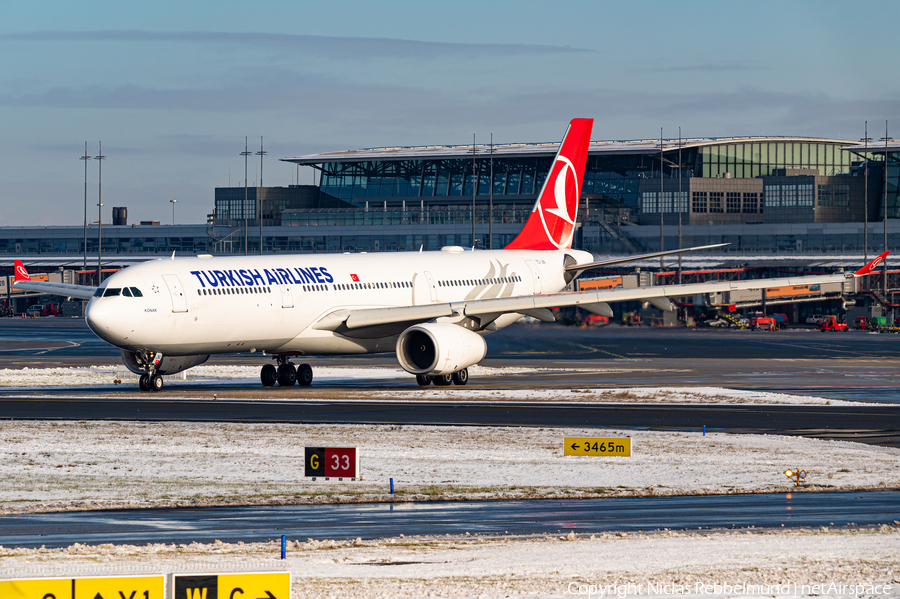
[246,585]
[129,587]
[596,446]
[36,588]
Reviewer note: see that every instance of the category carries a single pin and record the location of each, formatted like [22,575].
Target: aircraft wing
[23,281]
[79,291]
[392,320]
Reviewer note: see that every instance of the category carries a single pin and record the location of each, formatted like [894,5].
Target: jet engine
[164,364]
[439,348]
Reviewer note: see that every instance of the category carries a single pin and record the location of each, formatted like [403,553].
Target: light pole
[474,189]
[866,139]
[491,201]
[245,153]
[85,159]
[885,139]
[662,241]
[100,157]
[261,153]
[173,202]
[680,208]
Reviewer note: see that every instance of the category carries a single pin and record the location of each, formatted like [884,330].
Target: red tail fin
[868,268]
[21,273]
[551,225]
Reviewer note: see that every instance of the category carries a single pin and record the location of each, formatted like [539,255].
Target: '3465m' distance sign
[339,462]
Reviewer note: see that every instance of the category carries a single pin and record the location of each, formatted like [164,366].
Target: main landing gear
[286,374]
[460,377]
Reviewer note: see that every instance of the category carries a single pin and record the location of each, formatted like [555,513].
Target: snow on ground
[807,563]
[89,465]
[34,379]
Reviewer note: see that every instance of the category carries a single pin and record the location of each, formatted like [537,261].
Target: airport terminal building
[760,194]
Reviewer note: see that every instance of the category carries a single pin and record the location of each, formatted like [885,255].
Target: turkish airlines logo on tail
[557,209]
[868,268]
[21,273]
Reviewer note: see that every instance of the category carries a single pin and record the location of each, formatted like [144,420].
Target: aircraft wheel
[443,380]
[268,375]
[461,377]
[287,375]
[144,382]
[304,375]
[156,382]
[423,380]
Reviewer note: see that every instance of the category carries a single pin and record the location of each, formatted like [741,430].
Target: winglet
[868,268]
[21,273]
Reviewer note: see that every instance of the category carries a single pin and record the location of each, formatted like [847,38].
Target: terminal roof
[639,146]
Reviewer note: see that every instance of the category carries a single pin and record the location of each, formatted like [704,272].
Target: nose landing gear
[150,382]
[286,374]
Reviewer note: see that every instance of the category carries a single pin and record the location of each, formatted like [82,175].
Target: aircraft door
[535,275]
[287,300]
[176,292]
[431,286]
[422,290]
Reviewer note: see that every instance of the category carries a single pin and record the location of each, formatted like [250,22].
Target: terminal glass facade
[893,186]
[610,178]
[761,159]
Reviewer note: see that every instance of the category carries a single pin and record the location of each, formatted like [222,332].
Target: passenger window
[126,292]
[112,291]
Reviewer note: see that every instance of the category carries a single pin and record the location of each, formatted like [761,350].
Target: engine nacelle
[439,348]
[166,364]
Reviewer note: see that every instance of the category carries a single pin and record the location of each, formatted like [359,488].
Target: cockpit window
[99,292]
[112,291]
[136,292]
[126,292]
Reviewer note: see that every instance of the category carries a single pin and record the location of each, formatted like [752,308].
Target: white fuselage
[207,305]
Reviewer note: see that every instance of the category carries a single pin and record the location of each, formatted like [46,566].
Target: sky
[171,89]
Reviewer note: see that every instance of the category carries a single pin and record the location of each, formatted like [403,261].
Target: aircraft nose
[101,319]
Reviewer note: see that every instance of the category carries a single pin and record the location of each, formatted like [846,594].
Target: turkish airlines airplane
[432,308]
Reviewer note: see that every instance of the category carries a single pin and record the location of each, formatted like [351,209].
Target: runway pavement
[368,521]
[877,425]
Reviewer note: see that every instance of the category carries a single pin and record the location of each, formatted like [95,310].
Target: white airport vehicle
[432,308]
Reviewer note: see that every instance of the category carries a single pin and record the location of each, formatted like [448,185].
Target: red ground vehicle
[762,322]
[43,310]
[831,323]
[861,322]
[51,310]
[595,320]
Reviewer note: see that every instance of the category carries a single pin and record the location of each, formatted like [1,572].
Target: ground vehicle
[831,323]
[781,320]
[6,310]
[50,310]
[595,320]
[42,310]
[760,321]
[816,319]
[861,322]
[876,323]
